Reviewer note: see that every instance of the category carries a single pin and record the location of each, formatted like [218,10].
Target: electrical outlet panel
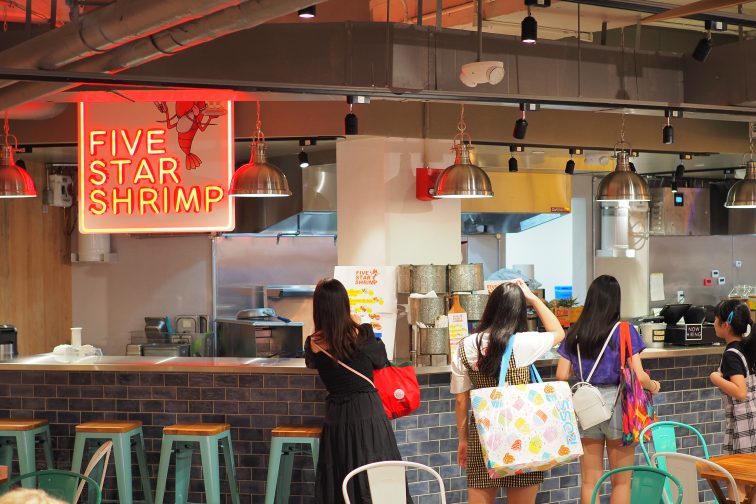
[708,282]
[61,187]
[715,273]
[721,280]
[680,297]
[738,263]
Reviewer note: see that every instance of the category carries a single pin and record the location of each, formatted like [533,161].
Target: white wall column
[381,222]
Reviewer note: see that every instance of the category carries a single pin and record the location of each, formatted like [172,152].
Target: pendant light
[623,184]
[463,179]
[743,193]
[15,182]
[258,178]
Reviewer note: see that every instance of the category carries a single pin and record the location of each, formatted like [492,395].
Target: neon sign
[149,167]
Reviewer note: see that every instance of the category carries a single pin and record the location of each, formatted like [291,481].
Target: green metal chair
[647,485]
[57,483]
[664,437]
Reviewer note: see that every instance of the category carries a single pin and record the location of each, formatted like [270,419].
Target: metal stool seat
[125,435]
[210,437]
[23,434]
[284,444]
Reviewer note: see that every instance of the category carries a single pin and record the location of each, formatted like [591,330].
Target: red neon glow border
[227,226]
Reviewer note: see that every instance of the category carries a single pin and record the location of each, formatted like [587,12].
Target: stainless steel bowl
[465,277]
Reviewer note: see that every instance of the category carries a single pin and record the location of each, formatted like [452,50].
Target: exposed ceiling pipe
[106,28]
[239,17]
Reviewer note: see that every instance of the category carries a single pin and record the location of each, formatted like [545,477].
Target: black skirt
[356,432]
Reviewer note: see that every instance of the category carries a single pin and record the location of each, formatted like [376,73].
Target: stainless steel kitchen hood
[521,201]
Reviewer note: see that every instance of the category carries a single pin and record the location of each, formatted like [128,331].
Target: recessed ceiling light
[307,12]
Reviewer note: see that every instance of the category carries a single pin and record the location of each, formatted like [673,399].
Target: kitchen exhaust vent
[522,200]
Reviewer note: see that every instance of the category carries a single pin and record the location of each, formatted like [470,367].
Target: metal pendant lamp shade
[258,178]
[743,193]
[15,182]
[463,179]
[622,184]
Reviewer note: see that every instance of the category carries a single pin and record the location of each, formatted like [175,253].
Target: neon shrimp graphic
[190,117]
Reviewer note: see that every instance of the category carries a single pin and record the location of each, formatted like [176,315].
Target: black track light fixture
[679,174]
[513,160]
[307,12]
[668,131]
[529,29]
[304,158]
[521,124]
[632,167]
[569,168]
[703,48]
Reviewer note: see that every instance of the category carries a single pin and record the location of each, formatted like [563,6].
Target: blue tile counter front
[256,402]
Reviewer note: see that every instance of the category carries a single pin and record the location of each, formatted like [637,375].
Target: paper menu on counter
[457,330]
[656,286]
[372,297]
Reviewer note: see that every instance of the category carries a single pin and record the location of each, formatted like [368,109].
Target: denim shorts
[609,429]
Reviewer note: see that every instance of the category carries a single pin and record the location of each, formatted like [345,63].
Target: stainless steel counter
[50,362]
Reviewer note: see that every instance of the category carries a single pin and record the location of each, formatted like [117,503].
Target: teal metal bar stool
[210,438]
[23,434]
[285,442]
[125,435]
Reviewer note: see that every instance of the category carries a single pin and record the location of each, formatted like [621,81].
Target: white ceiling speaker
[482,72]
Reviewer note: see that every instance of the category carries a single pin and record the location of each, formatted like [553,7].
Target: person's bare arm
[461,411]
[550,321]
[735,387]
[564,369]
[647,383]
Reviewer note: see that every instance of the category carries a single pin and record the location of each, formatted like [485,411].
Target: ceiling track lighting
[463,179]
[258,178]
[703,48]
[307,12]
[521,124]
[569,168]
[529,29]
[15,181]
[350,120]
[512,159]
[668,132]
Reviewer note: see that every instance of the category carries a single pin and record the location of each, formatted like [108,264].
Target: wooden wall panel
[35,270]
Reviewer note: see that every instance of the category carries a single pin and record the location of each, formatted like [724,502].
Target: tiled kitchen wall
[255,403]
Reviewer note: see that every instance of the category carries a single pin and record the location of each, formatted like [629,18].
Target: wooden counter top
[257,365]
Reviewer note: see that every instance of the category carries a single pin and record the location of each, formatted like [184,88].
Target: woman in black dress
[356,430]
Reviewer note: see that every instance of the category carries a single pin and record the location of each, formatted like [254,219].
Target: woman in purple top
[599,321]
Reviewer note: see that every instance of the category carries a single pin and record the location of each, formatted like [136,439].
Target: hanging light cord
[259,137]
[7,135]
[6,128]
[461,127]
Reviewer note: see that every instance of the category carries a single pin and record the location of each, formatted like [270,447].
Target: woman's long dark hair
[333,320]
[506,313]
[738,315]
[600,312]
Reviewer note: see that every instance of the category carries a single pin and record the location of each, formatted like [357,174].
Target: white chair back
[102,451]
[388,483]
[684,468]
